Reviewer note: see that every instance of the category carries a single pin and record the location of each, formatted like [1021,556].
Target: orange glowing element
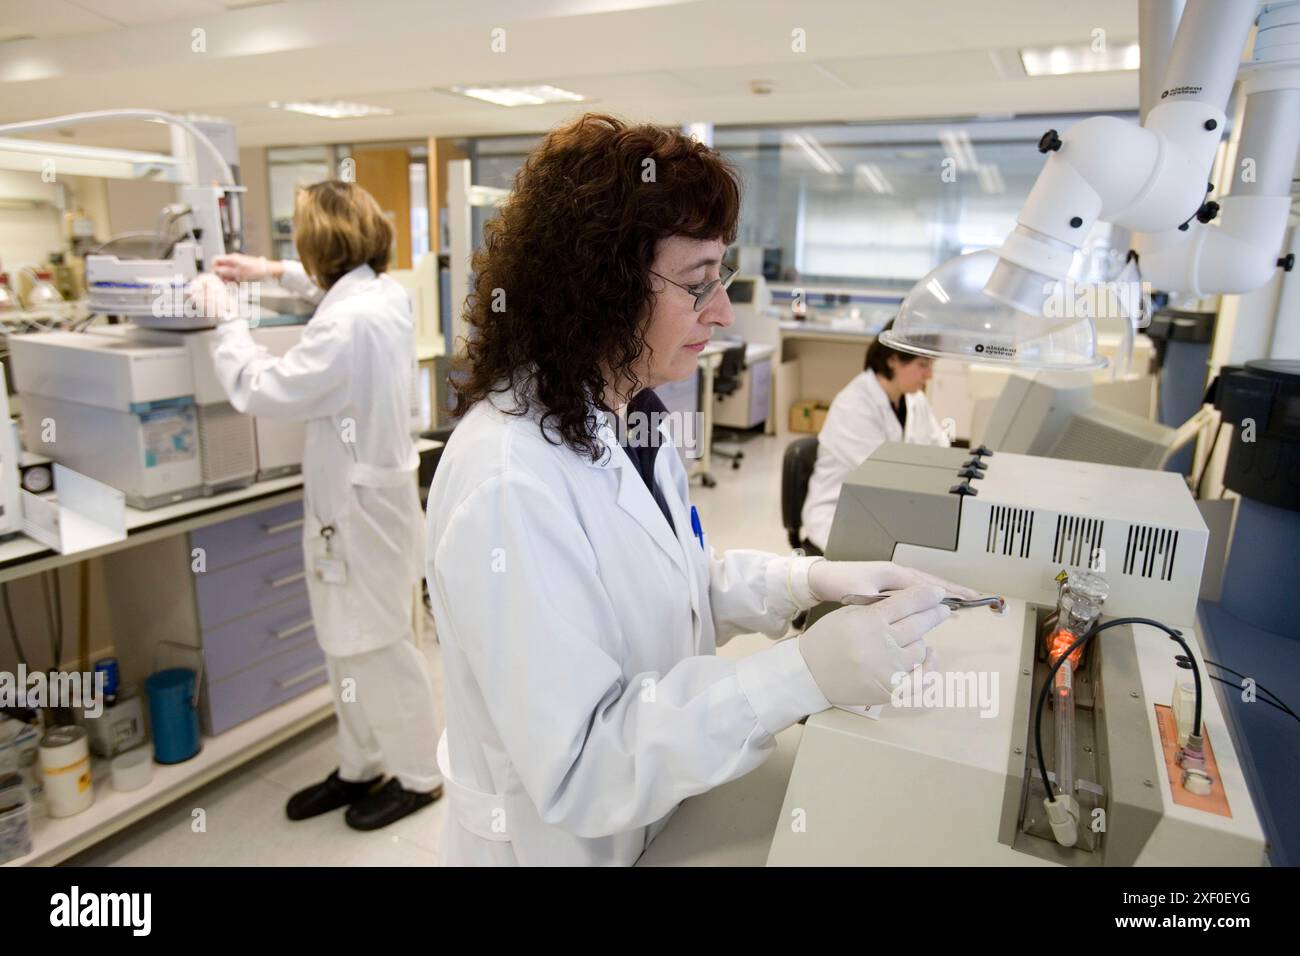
[1057,644]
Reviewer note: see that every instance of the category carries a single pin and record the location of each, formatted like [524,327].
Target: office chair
[727,381]
[796,471]
[428,466]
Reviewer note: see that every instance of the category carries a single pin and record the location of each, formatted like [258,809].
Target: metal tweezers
[995,603]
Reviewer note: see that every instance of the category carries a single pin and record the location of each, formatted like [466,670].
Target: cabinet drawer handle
[286,632]
[284,526]
[305,675]
[288,579]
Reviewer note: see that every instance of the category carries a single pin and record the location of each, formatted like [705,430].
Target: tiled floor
[244,810]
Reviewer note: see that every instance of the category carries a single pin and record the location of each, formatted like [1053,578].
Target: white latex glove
[237,267]
[211,299]
[832,580]
[855,653]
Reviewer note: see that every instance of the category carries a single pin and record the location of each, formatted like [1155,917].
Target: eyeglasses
[705,291]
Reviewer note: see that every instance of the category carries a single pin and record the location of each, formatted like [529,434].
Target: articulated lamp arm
[1148,178]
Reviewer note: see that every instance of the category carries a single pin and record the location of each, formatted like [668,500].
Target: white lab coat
[584,700]
[860,420]
[351,378]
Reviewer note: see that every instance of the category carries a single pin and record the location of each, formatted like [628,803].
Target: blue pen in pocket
[696,528]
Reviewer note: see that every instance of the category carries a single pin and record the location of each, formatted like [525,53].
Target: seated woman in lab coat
[885,402]
[578,603]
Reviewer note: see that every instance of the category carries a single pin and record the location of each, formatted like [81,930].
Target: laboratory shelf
[57,839]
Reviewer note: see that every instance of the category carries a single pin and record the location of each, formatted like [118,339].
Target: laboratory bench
[246,619]
[730,825]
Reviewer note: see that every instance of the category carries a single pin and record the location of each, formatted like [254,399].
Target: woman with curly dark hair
[577,602]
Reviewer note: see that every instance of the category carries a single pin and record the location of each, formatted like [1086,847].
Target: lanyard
[324,525]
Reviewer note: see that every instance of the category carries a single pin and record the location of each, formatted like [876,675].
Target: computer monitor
[751,302]
[742,291]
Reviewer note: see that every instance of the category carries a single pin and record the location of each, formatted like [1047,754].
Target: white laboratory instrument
[1061,416]
[202,165]
[947,775]
[148,290]
[235,449]
[119,411]
[226,439]
[965,392]
[1013,305]
[279,441]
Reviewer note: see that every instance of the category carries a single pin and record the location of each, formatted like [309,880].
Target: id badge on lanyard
[327,566]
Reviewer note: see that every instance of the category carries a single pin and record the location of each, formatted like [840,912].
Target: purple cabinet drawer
[254,691]
[257,583]
[244,641]
[235,541]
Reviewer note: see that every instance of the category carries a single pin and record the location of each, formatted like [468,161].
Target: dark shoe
[388,804]
[328,795]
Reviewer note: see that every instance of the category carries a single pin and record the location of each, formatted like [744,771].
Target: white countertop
[16,552]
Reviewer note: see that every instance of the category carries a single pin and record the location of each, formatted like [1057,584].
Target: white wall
[28,234]
[136,203]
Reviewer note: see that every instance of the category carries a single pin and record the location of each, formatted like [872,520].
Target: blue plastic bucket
[173,711]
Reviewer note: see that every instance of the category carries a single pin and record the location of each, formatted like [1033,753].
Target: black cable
[1281,703]
[13,629]
[1200,481]
[1064,656]
[56,647]
[58,605]
[1263,700]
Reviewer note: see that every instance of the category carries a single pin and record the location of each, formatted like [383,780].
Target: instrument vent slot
[1150,552]
[1077,540]
[1010,531]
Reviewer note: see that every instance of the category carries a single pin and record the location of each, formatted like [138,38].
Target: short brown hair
[339,227]
[569,256]
[878,354]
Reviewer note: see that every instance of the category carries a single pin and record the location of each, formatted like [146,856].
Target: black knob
[1049,142]
[1076,222]
[981,450]
[1211,124]
[1287,262]
[1207,211]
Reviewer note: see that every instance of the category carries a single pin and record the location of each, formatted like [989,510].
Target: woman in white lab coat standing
[884,402]
[578,602]
[352,379]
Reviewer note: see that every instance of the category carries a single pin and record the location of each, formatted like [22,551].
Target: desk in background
[695,394]
[815,362]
